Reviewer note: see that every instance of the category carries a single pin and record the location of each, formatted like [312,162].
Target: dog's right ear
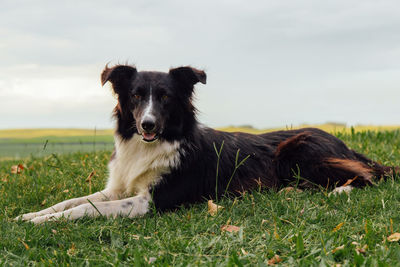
[189,75]
[119,76]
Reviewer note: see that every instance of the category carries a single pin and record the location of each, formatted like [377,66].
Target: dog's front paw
[44,218]
[26,216]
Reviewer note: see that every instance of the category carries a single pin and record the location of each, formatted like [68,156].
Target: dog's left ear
[188,75]
[119,76]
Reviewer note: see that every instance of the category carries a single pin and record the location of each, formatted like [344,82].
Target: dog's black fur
[274,159]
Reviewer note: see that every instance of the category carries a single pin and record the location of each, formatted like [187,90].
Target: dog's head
[153,104]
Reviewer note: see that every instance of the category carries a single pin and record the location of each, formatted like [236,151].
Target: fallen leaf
[362,250]
[54,231]
[151,260]
[72,250]
[66,191]
[89,178]
[348,182]
[43,202]
[213,208]
[4,179]
[137,237]
[394,237]
[25,245]
[230,228]
[302,211]
[16,169]
[244,252]
[338,248]
[337,228]
[274,260]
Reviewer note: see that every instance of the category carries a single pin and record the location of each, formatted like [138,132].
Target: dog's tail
[321,159]
[364,170]
[379,170]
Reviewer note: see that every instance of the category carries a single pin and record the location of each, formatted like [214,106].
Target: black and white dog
[162,154]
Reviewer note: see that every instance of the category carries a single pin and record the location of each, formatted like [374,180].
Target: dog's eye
[136,96]
[164,97]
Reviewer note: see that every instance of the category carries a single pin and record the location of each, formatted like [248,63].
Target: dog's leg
[129,207]
[104,195]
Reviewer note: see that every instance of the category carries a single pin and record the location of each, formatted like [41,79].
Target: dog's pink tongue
[149,136]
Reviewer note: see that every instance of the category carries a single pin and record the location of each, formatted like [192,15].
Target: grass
[304,229]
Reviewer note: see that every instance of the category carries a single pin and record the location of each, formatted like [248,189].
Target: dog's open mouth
[149,137]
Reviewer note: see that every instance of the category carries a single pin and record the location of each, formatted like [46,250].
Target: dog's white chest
[137,164]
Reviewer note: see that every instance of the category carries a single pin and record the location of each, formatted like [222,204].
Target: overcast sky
[269,63]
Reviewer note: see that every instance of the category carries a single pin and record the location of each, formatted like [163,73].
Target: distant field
[33,134]
[22,143]
[328,127]
[23,150]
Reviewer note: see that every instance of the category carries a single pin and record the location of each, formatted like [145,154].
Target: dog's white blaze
[148,111]
[137,165]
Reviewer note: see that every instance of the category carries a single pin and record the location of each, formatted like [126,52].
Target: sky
[268,63]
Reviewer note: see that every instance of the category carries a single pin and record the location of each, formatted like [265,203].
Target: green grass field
[23,143]
[304,229]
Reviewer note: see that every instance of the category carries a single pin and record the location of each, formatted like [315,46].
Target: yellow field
[32,133]
[329,127]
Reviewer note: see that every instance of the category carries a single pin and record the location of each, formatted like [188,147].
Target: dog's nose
[148,125]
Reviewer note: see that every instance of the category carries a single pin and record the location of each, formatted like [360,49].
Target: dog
[165,156]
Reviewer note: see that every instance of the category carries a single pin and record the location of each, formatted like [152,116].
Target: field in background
[11,134]
[21,143]
[328,127]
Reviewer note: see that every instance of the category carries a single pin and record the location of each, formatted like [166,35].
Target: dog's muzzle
[149,131]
